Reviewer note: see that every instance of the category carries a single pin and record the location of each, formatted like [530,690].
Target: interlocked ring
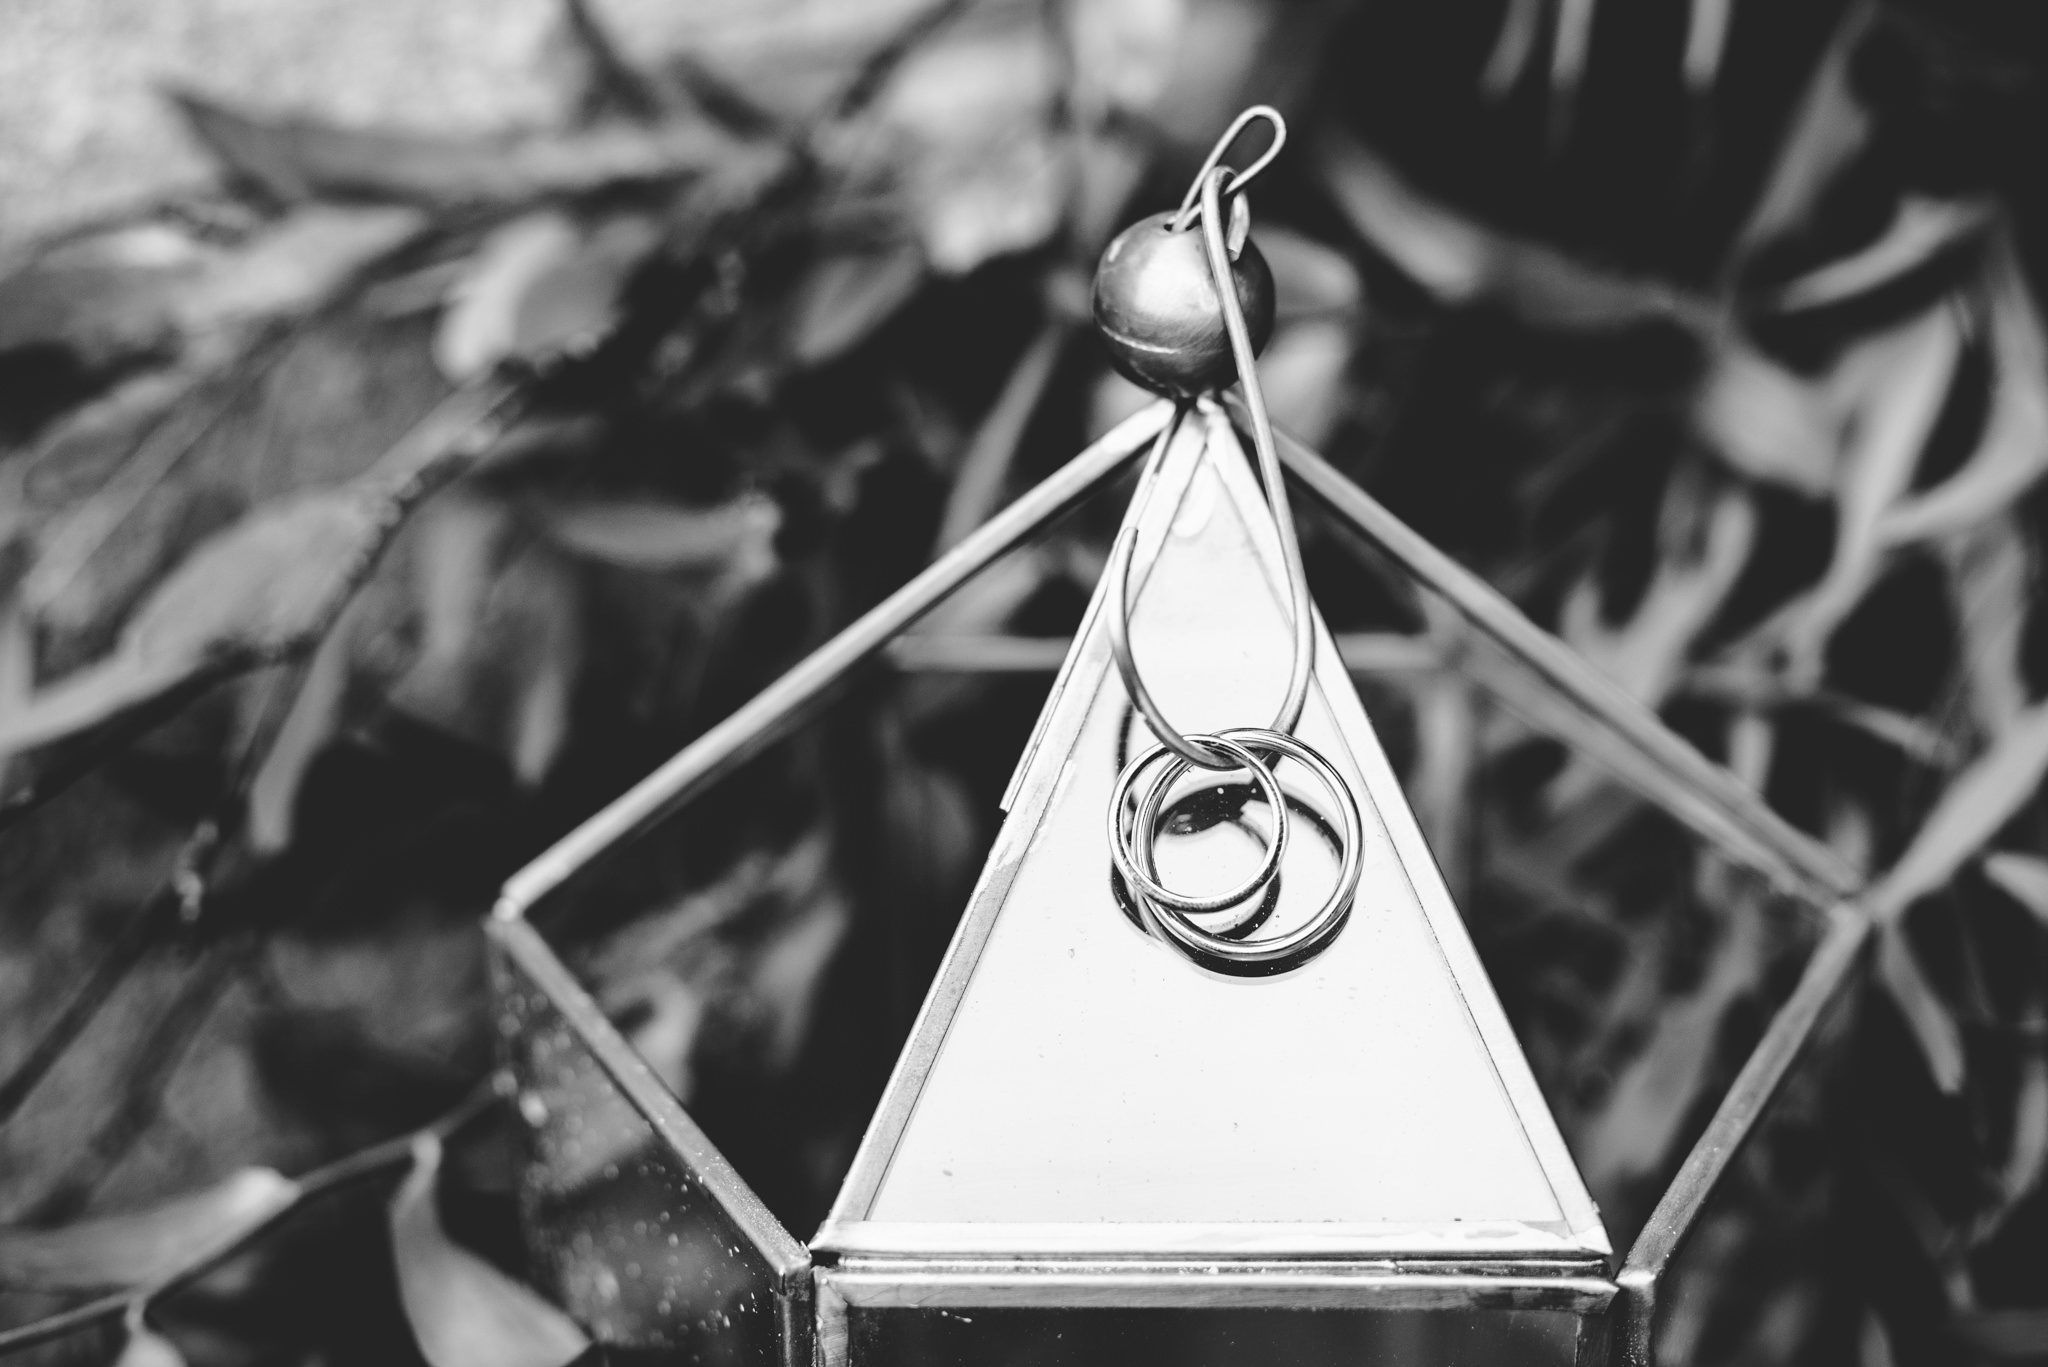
[1144,881]
[1277,953]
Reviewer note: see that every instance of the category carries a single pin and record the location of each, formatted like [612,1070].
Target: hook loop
[1237,180]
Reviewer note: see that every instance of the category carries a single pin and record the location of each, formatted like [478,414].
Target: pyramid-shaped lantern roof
[1074,1088]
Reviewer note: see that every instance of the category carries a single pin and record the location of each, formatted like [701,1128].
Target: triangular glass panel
[1075,1088]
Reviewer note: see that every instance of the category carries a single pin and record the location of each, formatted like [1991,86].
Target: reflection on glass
[1209,1338]
[622,1232]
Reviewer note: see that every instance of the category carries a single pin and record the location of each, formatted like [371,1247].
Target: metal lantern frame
[809,1305]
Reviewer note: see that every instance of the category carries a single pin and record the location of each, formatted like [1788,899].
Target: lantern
[1121,1132]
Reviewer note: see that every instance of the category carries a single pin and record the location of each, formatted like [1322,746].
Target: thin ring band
[1144,883]
[1275,954]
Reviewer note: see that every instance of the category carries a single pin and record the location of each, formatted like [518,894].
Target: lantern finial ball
[1156,304]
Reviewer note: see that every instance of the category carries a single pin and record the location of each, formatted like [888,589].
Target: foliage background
[416,421]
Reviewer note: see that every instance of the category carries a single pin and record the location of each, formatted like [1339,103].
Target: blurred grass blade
[1976,805]
[1921,230]
[1706,43]
[1766,421]
[136,1248]
[1926,1015]
[1828,129]
[848,295]
[293,158]
[1462,262]
[666,537]
[1514,47]
[465,1312]
[1570,47]
[2013,453]
[2022,877]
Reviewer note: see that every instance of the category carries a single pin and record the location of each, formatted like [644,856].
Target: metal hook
[1238,180]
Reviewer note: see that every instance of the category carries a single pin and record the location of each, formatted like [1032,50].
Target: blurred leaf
[465,1312]
[1643,1115]
[969,125]
[2017,1334]
[295,264]
[262,587]
[2013,452]
[1697,567]
[314,717]
[294,158]
[1462,262]
[102,300]
[2026,1155]
[1978,802]
[17,669]
[1827,130]
[1571,43]
[1706,42]
[136,1248]
[846,296]
[1312,280]
[1514,45]
[2022,877]
[1766,421]
[147,1348]
[1892,390]
[611,79]
[1303,374]
[1124,52]
[665,537]
[1989,574]
[1926,1015]
[538,287]
[1921,229]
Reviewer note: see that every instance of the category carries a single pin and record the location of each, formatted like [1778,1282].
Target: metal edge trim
[1432,894]
[1378,1286]
[786,1256]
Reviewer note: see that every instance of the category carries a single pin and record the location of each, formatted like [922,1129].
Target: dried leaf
[1920,230]
[665,537]
[1461,262]
[136,1248]
[465,1312]
[1925,1014]
[2013,453]
[538,287]
[1767,422]
[1977,803]
[295,158]
[2022,877]
[261,588]
[845,297]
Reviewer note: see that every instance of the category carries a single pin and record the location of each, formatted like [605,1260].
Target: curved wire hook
[1238,180]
